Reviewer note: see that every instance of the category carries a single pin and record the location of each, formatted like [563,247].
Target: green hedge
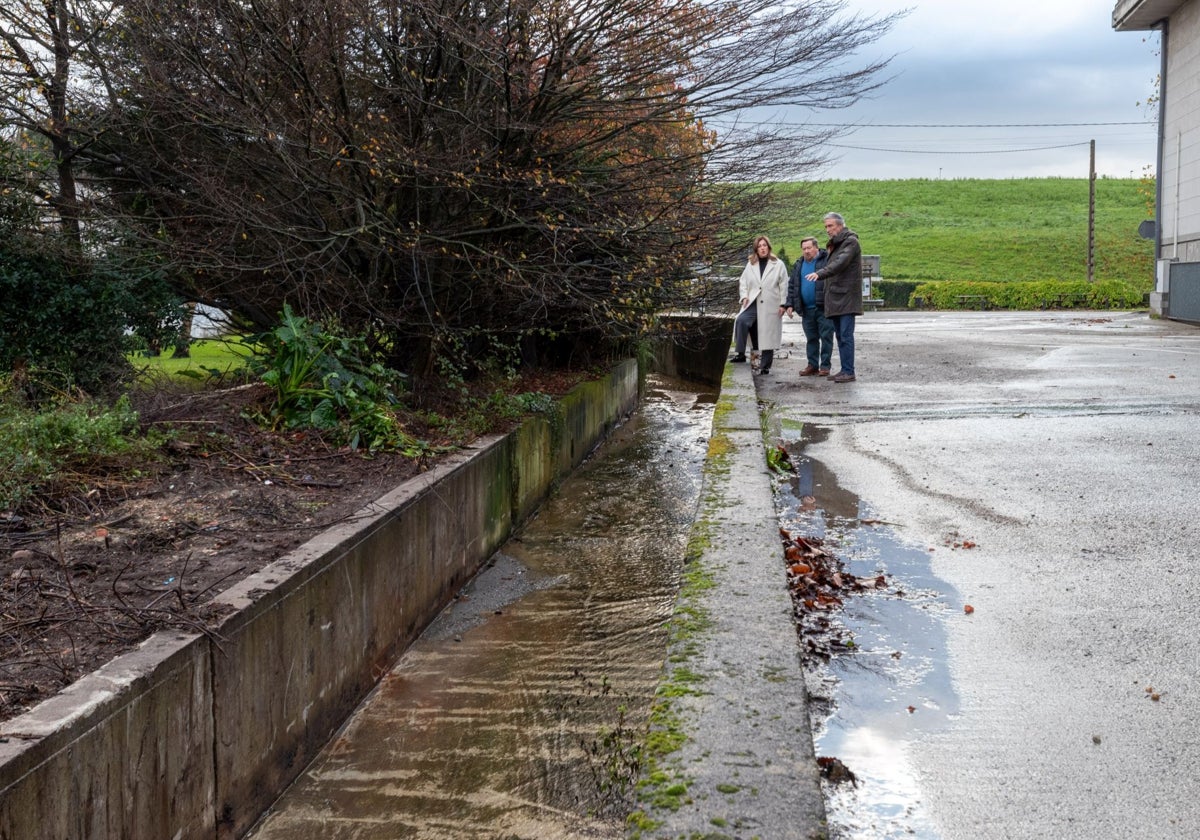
[1041,294]
[895,294]
[60,327]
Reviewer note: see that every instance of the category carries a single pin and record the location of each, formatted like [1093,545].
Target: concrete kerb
[734,686]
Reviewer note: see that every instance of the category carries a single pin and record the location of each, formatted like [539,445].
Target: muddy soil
[91,570]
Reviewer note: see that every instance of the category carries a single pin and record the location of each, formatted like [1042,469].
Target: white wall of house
[209,322]
[1178,211]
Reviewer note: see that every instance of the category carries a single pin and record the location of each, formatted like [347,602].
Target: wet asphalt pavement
[1064,446]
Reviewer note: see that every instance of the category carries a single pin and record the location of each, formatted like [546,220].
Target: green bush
[895,294]
[324,380]
[153,310]
[44,447]
[60,327]
[1039,294]
[68,323]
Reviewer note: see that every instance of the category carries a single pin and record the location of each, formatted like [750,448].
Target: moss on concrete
[665,785]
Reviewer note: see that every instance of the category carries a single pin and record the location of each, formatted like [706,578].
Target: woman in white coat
[762,289]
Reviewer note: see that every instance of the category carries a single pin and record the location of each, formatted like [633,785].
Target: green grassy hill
[1021,229]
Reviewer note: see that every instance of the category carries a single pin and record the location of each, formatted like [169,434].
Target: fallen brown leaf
[835,771]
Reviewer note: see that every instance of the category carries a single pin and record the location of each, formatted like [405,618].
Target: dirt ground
[87,575]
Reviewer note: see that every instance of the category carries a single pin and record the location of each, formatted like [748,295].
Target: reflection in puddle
[871,704]
[514,715]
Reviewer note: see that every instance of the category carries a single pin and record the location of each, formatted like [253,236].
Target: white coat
[767,291]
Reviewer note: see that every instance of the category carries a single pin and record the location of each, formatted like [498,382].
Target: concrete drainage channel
[521,711]
[879,679]
[194,736]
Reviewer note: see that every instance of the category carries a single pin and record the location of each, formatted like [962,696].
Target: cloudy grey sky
[1011,63]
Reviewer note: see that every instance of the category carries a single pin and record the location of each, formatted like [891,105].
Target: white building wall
[209,322]
[1180,178]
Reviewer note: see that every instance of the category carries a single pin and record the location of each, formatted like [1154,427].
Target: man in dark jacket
[842,274]
[808,297]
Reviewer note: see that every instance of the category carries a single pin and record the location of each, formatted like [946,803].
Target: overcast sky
[1013,62]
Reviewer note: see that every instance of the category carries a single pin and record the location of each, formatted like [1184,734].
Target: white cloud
[955,25]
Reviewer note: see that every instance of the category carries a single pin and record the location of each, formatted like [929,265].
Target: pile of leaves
[818,583]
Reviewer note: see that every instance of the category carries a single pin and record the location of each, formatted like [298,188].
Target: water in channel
[515,714]
[869,705]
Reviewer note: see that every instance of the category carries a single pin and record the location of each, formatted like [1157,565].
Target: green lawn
[222,355]
[998,230]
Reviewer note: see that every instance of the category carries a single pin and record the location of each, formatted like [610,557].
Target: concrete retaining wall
[694,347]
[194,737]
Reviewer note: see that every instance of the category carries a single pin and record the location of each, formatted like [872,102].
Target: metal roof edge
[1139,15]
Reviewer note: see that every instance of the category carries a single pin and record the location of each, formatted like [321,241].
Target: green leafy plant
[326,381]
[779,460]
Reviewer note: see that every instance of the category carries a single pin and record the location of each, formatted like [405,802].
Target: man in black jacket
[842,274]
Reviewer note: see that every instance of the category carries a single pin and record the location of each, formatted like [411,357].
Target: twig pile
[50,610]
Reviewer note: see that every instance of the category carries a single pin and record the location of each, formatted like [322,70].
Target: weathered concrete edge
[694,347]
[735,687]
[193,737]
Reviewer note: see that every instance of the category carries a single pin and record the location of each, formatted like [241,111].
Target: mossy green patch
[683,681]
[719,445]
[662,787]
[665,783]
[639,821]
[722,410]
[727,377]
[699,541]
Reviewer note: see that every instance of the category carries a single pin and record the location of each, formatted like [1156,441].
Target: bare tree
[439,172]
[49,79]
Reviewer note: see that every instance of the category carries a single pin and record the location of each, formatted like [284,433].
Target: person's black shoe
[737,359]
[764,371]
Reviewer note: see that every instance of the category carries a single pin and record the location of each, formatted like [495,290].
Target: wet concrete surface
[1041,468]
[517,712]
[734,691]
[891,685]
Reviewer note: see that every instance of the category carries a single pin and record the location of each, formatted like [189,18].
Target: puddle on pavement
[515,714]
[869,705]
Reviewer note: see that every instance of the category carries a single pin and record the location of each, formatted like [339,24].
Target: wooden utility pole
[1091,254]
